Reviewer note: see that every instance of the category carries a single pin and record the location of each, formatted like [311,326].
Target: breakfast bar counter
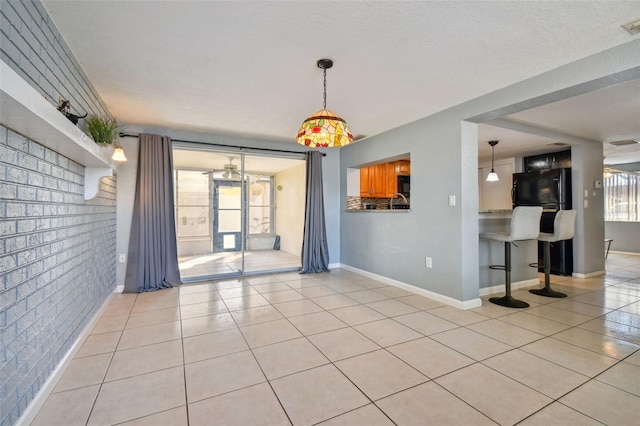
[492,253]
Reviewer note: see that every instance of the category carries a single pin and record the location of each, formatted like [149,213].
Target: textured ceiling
[248,68]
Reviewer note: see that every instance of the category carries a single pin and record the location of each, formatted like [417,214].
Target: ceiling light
[492,176]
[118,154]
[625,142]
[632,27]
[324,129]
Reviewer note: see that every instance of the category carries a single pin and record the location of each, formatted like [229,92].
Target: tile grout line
[110,361]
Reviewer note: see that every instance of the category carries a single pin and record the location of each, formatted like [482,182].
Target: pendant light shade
[324,129]
[492,176]
[118,154]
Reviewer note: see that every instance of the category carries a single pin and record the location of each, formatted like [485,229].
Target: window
[192,203]
[621,196]
[261,206]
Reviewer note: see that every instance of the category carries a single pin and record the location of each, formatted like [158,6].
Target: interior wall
[442,164]
[33,47]
[588,201]
[625,235]
[57,251]
[127,173]
[290,201]
[57,259]
[331,181]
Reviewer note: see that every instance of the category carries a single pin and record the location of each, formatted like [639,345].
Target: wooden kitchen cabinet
[403,168]
[381,180]
[373,181]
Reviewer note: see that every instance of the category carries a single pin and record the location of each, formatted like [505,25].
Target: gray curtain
[153,255]
[315,251]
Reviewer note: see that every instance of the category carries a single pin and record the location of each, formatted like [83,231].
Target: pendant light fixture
[118,154]
[492,176]
[324,129]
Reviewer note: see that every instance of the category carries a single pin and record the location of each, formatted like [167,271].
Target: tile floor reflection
[342,349]
[226,263]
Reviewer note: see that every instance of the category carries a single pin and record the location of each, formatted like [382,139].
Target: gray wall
[57,251]
[57,254]
[586,168]
[33,48]
[625,235]
[127,178]
[443,163]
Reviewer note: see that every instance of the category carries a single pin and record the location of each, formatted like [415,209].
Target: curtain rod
[132,135]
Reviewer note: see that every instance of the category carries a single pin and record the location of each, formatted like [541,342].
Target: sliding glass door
[237,213]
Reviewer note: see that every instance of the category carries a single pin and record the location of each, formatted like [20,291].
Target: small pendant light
[118,154]
[492,176]
[324,129]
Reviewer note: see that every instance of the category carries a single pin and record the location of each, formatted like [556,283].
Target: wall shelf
[25,111]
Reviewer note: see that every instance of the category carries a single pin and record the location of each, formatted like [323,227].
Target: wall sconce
[118,154]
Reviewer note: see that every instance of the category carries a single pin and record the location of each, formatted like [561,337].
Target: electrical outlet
[452,200]
[428,262]
[121,258]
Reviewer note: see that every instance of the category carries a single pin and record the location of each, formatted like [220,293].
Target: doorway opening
[237,213]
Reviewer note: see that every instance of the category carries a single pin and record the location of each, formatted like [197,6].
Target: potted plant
[104,130]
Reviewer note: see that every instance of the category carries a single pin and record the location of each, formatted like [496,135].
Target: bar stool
[525,225]
[563,229]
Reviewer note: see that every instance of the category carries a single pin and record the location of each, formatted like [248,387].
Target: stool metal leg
[507,300]
[547,291]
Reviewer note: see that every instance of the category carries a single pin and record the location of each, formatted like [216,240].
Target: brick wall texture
[58,262]
[32,46]
[57,251]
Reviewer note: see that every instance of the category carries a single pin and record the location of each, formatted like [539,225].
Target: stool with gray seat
[563,229]
[525,225]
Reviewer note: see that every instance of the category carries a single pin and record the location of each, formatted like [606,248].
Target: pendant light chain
[324,129]
[324,105]
[492,146]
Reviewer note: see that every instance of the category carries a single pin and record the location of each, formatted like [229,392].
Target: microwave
[404,185]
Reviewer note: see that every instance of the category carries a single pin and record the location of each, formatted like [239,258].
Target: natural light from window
[621,196]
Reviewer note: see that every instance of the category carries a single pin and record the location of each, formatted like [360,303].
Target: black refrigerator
[550,189]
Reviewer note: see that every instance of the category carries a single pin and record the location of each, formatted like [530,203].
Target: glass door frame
[244,209]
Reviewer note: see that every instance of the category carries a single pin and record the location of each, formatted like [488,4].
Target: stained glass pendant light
[324,129]
[492,176]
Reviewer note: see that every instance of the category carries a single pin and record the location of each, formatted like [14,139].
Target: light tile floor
[342,349]
[216,264]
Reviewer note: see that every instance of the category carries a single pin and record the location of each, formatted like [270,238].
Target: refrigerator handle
[560,184]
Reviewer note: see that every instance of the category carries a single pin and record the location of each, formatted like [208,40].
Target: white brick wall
[58,262]
[33,47]
[57,251]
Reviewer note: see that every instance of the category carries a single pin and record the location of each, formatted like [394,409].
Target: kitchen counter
[494,214]
[492,253]
[378,211]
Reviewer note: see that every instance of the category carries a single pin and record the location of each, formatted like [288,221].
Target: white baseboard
[624,253]
[119,289]
[334,265]
[588,275]
[485,291]
[459,304]
[30,413]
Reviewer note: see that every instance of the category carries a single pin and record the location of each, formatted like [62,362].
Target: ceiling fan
[230,171]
